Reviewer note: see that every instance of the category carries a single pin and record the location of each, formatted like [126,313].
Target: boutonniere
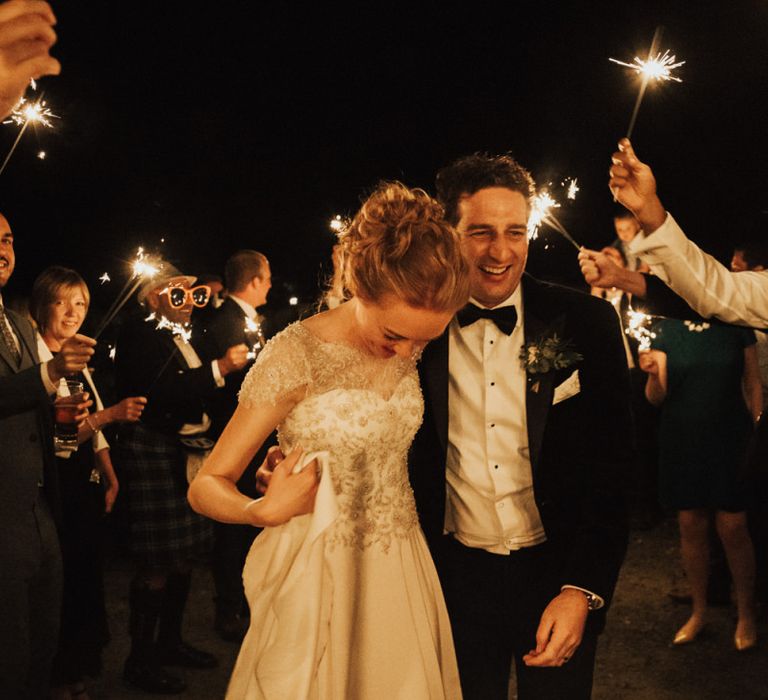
[546,354]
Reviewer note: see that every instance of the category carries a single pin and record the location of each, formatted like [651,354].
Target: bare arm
[214,491]
[752,386]
[654,362]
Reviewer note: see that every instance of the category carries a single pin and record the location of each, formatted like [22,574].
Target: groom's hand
[560,629]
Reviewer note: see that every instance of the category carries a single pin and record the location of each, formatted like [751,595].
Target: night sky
[249,125]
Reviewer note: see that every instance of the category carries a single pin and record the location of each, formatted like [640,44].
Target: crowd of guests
[174,402]
[549,524]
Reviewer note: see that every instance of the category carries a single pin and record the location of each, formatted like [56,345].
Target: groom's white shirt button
[490,486]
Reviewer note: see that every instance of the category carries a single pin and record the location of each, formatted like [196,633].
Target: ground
[635,658]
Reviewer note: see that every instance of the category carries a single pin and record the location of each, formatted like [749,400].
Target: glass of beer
[68,396]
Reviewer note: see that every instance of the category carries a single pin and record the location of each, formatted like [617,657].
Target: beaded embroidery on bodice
[363,410]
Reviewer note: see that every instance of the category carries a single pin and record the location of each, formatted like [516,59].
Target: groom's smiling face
[493,228]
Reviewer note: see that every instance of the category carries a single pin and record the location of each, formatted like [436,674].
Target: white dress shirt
[248,310]
[707,286]
[490,501]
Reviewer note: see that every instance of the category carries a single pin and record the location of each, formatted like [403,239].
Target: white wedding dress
[345,603]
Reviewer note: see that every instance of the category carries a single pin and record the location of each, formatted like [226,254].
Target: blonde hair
[399,243]
[46,288]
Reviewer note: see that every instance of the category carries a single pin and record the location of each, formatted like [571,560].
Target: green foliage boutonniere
[546,354]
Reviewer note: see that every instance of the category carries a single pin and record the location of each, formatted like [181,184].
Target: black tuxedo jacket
[148,363]
[224,328]
[580,448]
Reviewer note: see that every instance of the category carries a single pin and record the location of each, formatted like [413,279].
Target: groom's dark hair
[470,174]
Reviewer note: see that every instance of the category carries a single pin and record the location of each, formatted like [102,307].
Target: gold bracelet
[90,425]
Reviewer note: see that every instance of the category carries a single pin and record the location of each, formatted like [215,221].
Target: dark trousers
[230,548]
[495,604]
[30,603]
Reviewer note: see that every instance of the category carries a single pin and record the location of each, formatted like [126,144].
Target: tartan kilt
[164,530]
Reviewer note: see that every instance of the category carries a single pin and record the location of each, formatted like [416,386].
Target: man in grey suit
[30,561]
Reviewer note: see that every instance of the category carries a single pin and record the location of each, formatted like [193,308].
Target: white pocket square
[570,387]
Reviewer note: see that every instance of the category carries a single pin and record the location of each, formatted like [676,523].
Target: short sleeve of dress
[281,368]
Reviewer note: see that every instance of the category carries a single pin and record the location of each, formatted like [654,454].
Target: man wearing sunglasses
[154,353]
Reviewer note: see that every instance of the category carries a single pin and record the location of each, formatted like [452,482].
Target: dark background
[251,124]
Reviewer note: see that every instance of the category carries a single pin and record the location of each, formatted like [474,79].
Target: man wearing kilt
[157,456]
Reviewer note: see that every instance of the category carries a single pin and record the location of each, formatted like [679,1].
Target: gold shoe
[745,638]
[688,632]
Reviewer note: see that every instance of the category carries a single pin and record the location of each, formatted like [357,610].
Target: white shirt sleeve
[709,287]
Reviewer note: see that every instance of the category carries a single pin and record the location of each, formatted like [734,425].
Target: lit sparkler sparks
[338,224]
[180,330]
[541,213]
[255,337]
[658,66]
[142,269]
[637,328]
[540,207]
[41,155]
[572,186]
[24,114]
[105,278]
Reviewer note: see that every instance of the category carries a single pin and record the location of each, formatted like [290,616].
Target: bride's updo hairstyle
[399,243]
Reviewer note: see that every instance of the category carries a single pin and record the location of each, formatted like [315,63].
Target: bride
[345,601]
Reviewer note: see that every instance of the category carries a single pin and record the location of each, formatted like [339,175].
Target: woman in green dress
[706,379]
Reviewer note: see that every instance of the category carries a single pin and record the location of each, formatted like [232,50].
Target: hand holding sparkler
[633,184]
[648,362]
[26,35]
[599,270]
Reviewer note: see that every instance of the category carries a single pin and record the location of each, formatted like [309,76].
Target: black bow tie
[504,317]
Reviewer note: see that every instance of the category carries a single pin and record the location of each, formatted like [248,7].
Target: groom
[519,463]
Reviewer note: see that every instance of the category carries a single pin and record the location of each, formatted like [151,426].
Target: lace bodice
[363,410]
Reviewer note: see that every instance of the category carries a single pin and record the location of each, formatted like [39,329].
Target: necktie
[504,317]
[7,336]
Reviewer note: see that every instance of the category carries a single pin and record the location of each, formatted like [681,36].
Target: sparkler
[658,66]
[637,328]
[338,224]
[143,268]
[541,213]
[572,186]
[255,337]
[180,330]
[24,114]
[105,278]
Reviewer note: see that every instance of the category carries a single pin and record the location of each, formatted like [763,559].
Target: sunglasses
[178,296]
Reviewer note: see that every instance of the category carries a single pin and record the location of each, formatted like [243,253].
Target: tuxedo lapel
[434,373]
[539,323]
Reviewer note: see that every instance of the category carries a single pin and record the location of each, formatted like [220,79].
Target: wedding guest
[700,375]
[158,455]
[26,36]
[248,279]
[58,305]
[628,230]
[30,558]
